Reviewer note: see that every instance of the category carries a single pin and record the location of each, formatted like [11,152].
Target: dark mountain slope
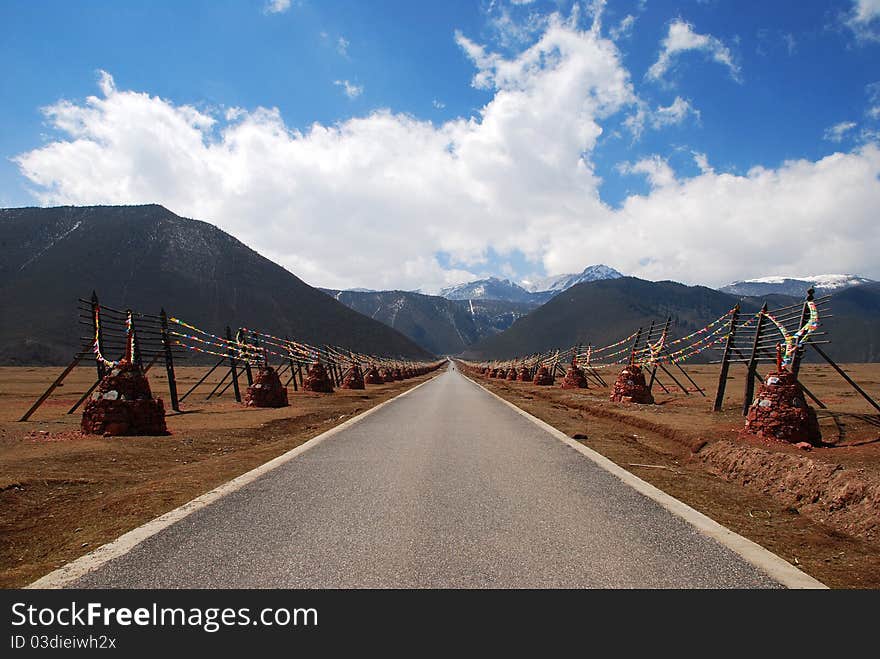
[441,326]
[146,257]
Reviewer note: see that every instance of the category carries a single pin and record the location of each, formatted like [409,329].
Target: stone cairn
[317,380]
[574,377]
[780,411]
[353,379]
[266,390]
[524,375]
[373,376]
[493,373]
[511,373]
[387,375]
[124,405]
[543,377]
[397,374]
[630,387]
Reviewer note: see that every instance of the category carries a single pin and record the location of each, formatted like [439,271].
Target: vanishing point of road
[445,487]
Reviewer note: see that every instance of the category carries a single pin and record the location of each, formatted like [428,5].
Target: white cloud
[837,132]
[277,6]
[342,45]
[438,104]
[370,201]
[864,19]
[351,90]
[674,114]
[873,92]
[682,38]
[790,43]
[623,29]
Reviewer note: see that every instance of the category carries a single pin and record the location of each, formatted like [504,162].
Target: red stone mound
[387,375]
[493,373]
[373,376]
[780,411]
[574,378]
[511,373]
[631,387]
[317,380]
[124,405]
[542,377]
[524,374]
[266,390]
[397,374]
[354,379]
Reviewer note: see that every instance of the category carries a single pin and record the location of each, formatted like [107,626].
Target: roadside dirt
[63,494]
[819,510]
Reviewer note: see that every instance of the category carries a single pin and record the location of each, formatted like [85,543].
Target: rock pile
[542,377]
[373,376]
[780,411]
[353,379]
[574,377]
[266,390]
[511,373]
[630,387]
[124,405]
[317,380]
[524,374]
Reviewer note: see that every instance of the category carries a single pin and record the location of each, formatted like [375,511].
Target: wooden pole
[654,370]
[725,361]
[752,371]
[798,353]
[632,352]
[96,331]
[247,362]
[846,377]
[169,361]
[232,370]
[204,377]
[51,388]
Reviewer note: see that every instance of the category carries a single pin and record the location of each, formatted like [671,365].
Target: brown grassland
[63,494]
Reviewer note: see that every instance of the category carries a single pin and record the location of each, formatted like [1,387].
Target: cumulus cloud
[331,201]
[837,132]
[342,46]
[682,38]
[277,6]
[351,90]
[864,19]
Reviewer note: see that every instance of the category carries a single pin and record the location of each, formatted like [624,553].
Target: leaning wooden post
[725,361]
[662,338]
[632,353]
[805,315]
[98,333]
[232,369]
[169,361]
[242,338]
[751,368]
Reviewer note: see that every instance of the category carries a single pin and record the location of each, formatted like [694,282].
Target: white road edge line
[72,571]
[776,567]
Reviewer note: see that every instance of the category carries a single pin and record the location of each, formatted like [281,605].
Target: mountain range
[441,326]
[796,286]
[605,311]
[147,258]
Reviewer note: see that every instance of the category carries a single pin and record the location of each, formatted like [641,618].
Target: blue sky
[460,139]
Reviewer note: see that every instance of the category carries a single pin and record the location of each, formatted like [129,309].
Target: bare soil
[63,494]
[818,509]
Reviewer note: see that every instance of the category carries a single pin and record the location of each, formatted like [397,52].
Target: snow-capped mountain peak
[794,284]
[559,283]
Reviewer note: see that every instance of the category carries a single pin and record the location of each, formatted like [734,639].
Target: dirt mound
[842,498]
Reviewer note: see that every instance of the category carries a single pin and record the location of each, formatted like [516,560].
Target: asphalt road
[445,487]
